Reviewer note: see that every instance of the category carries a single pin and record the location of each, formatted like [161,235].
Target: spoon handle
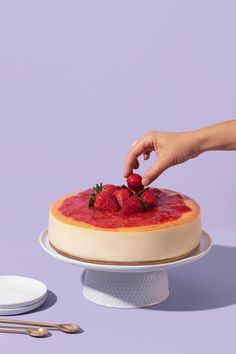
[29,323]
[13,330]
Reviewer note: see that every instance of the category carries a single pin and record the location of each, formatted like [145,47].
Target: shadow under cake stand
[127,286]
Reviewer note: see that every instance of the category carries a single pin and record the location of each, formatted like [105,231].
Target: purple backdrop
[79,81]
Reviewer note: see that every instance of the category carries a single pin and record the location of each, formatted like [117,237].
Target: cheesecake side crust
[152,245]
[95,261]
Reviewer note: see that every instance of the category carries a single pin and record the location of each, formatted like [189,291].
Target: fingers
[134,142]
[153,172]
[146,155]
[131,161]
[136,164]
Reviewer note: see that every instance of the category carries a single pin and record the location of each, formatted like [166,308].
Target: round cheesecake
[168,232]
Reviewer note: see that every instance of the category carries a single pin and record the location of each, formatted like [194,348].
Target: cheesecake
[166,232]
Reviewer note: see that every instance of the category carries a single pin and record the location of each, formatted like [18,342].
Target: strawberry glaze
[170,207]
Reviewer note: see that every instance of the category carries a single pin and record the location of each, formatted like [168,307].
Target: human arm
[175,148]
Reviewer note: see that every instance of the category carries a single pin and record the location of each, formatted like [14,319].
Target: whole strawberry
[109,188]
[131,205]
[104,201]
[149,198]
[134,182]
[121,194]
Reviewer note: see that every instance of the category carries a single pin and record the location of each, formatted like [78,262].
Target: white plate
[204,247]
[17,292]
[17,311]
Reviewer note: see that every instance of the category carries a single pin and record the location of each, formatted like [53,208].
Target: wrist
[202,140]
[196,142]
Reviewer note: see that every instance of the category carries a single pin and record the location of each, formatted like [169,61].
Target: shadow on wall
[209,283]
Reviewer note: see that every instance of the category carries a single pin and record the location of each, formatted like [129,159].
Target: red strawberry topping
[121,194]
[134,182]
[181,207]
[123,201]
[149,199]
[104,201]
[175,197]
[131,205]
[109,188]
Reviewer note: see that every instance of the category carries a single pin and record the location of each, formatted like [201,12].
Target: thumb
[154,171]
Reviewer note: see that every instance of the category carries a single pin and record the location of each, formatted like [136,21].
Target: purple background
[79,81]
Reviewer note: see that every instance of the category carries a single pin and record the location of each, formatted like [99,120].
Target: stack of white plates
[20,294]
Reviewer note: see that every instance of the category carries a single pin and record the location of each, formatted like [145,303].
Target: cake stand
[127,286]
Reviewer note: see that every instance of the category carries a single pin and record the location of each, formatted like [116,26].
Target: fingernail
[145,181]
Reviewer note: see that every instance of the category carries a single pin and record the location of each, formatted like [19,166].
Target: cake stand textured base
[126,290]
[127,286]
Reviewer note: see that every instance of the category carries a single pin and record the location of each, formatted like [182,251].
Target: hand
[171,149]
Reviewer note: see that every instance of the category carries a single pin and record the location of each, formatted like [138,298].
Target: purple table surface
[79,81]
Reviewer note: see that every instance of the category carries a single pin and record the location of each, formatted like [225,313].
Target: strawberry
[148,198]
[104,201]
[121,194]
[97,189]
[131,205]
[109,188]
[134,182]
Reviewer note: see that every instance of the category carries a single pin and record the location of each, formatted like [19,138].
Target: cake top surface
[170,208]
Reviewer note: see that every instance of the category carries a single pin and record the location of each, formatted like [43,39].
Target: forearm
[221,136]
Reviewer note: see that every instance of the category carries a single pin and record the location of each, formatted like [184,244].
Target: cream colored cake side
[142,246]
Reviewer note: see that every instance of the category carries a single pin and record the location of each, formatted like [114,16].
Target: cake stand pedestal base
[126,290]
[127,286]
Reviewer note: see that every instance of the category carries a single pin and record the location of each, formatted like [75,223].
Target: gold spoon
[34,332]
[64,327]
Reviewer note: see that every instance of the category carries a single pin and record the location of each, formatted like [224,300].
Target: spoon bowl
[37,332]
[69,327]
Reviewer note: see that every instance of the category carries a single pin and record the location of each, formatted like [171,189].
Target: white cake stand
[127,286]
